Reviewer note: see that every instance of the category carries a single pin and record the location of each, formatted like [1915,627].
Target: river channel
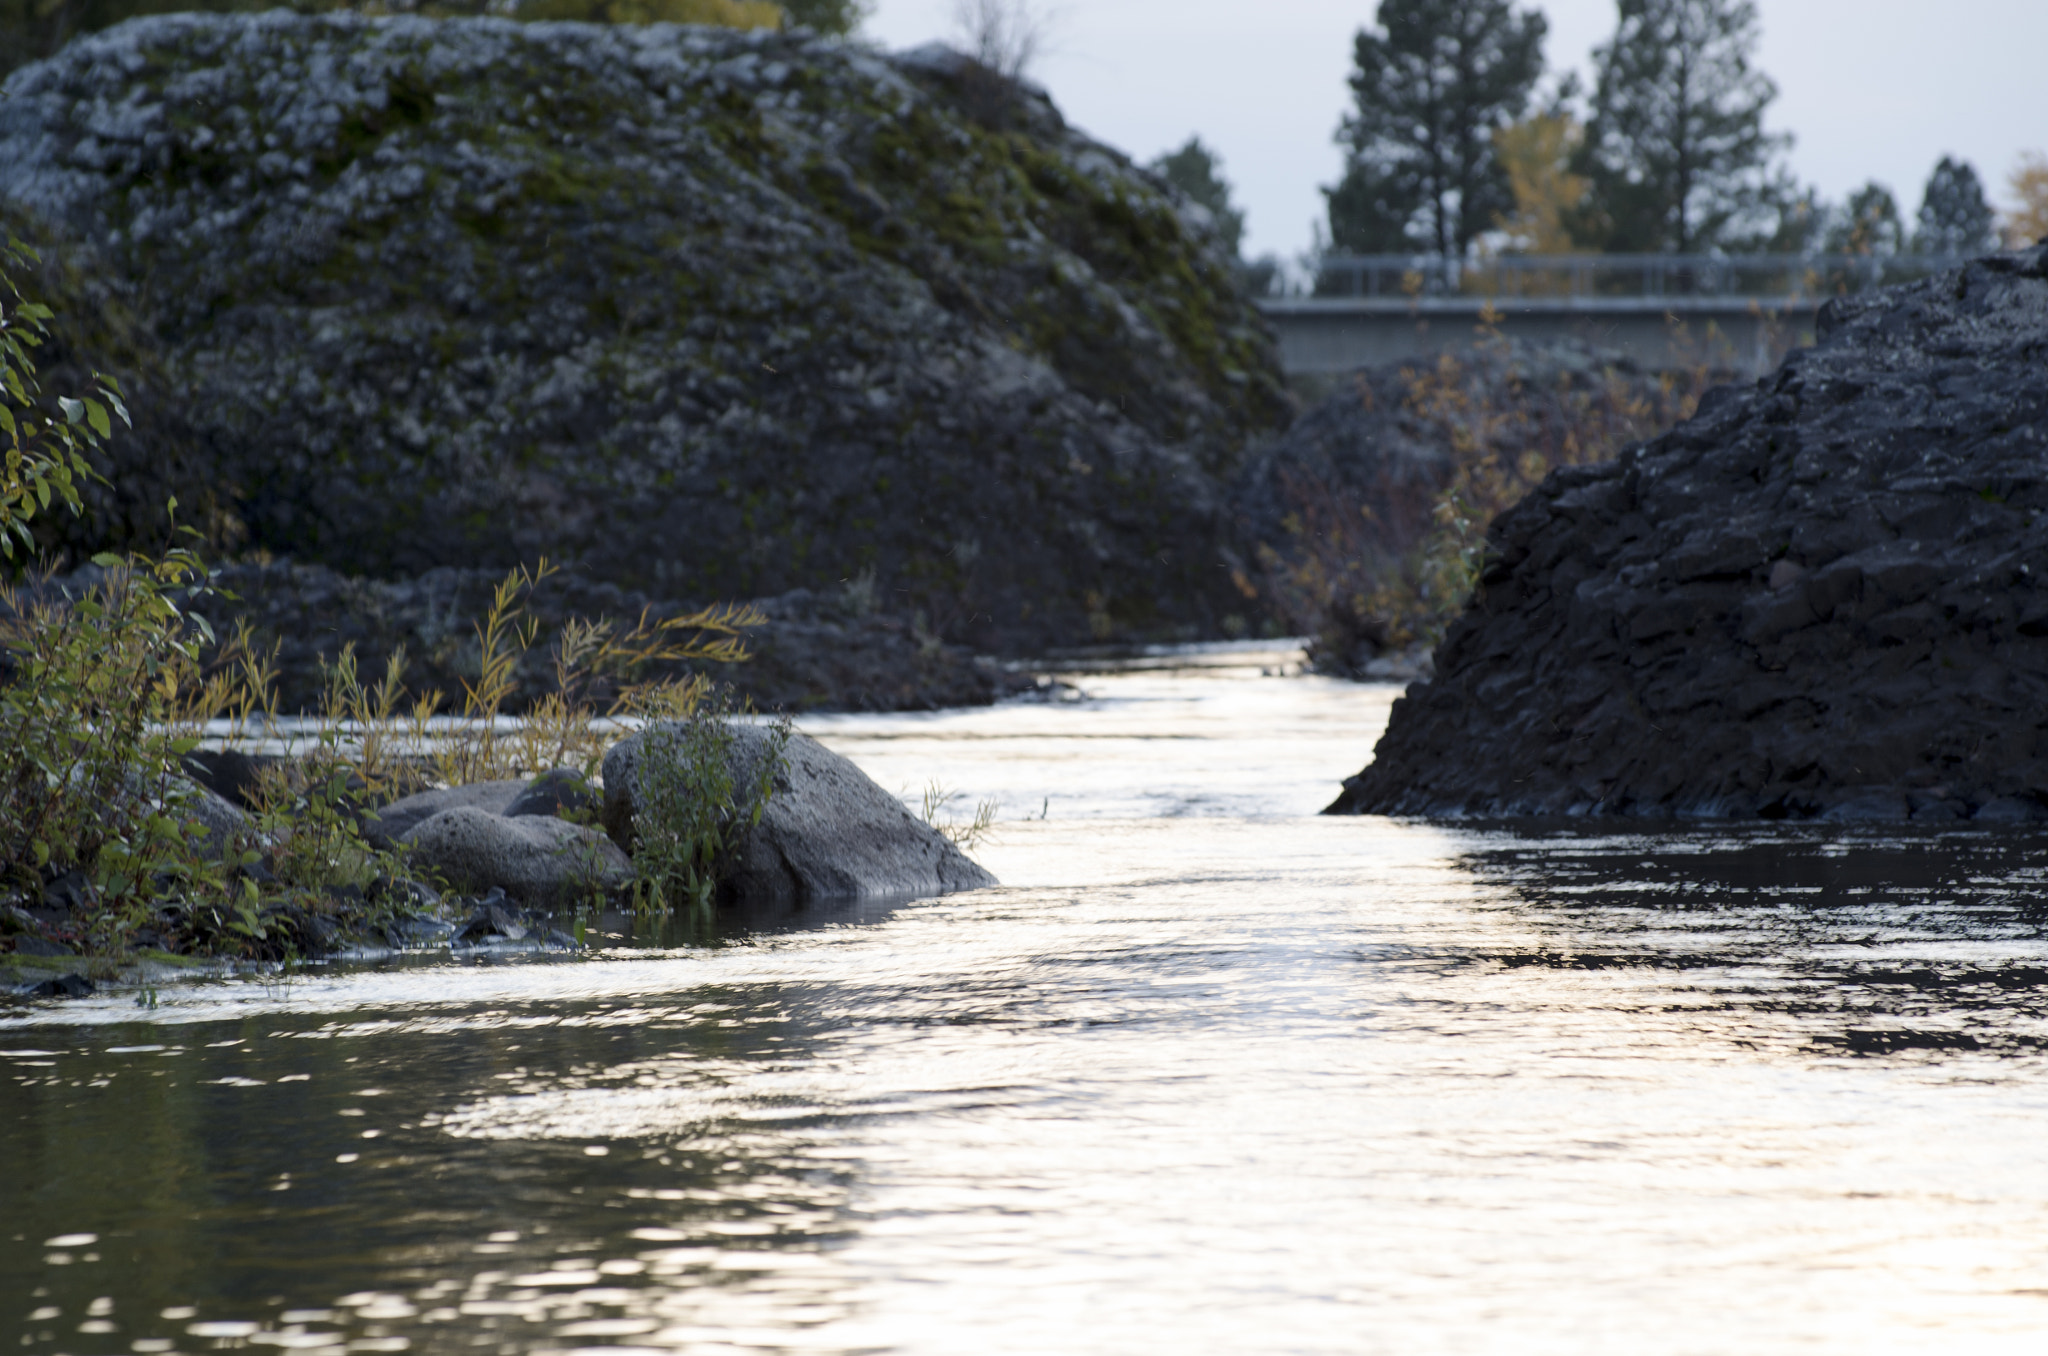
[1207,1074]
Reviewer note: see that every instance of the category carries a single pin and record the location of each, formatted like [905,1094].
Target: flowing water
[1207,1073]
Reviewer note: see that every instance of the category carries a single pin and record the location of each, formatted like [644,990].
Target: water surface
[1208,1073]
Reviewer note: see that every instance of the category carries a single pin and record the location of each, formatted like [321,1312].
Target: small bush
[697,798]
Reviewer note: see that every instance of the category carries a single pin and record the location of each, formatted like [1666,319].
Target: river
[1207,1074]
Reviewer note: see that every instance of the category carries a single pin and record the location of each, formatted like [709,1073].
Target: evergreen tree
[1428,94]
[1954,218]
[1869,223]
[1195,171]
[1675,146]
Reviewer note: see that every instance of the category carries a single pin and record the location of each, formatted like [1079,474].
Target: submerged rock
[827,832]
[707,314]
[1825,595]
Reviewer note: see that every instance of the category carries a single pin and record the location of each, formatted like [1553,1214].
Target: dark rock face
[1823,596]
[705,314]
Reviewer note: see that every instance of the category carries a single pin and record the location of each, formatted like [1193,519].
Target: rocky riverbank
[1825,595]
[520,864]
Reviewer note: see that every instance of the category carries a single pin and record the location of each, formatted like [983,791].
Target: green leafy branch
[45,455]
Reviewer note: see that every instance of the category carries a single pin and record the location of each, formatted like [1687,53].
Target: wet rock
[394,821]
[65,986]
[551,793]
[828,832]
[405,934]
[538,862]
[1826,595]
[398,312]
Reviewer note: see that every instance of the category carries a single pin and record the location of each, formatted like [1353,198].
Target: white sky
[1870,88]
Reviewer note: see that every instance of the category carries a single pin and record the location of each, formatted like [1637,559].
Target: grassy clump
[697,796]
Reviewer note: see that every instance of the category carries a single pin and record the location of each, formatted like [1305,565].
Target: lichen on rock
[706,313]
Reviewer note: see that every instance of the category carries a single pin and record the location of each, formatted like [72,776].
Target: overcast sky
[1870,88]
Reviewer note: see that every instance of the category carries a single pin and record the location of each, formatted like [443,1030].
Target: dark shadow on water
[1844,940]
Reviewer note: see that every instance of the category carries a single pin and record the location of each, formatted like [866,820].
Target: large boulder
[540,862]
[1825,595]
[707,314]
[827,832]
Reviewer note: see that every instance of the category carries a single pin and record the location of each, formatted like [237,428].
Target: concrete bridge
[1665,310]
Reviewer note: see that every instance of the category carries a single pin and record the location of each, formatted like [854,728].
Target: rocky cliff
[1825,595]
[705,314]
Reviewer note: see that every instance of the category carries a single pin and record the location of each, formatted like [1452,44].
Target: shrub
[699,793]
[107,684]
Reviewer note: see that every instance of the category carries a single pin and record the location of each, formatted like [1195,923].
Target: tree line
[1452,137]
[1456,138]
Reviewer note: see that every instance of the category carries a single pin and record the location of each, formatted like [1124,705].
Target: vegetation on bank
[109,846]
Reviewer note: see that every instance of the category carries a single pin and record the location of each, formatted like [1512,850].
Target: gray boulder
[542,863]
[828,831]
[222,821]
[400,817]
[1824,596]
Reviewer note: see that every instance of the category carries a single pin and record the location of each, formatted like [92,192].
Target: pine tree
[1869,223]
[1675,146]
[1954,218]
[1428,93]
[1195,171]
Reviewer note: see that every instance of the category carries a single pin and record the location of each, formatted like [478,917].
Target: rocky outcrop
[827,831]
[1825,595]
[705,314]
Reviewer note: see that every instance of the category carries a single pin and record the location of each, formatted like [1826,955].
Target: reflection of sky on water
[1207,1074]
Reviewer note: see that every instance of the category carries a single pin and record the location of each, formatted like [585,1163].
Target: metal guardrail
[1590,276]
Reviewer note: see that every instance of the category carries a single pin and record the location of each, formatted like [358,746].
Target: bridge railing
[1800,277]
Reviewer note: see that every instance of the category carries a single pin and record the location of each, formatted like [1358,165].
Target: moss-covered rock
[705,313]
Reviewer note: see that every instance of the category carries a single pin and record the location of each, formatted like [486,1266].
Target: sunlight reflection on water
[1206,1074]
